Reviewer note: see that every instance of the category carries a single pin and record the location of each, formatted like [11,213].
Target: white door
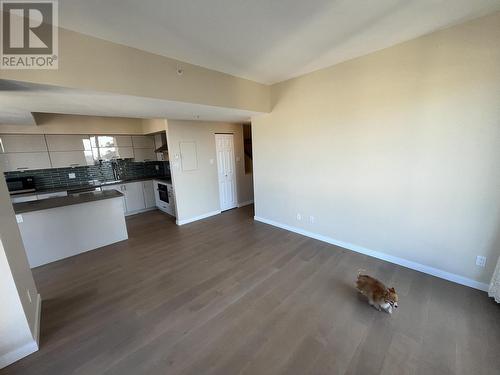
[226,170]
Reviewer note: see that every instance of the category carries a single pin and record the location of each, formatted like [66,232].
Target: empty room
[250,187]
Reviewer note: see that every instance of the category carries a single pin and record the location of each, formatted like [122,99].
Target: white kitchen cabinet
[23,161]
[114,141]
[143,141]
[134,196]
[22,143]
[24,198]
[68,142]
[110,153]
[52,195]
[62,159]
[149,194]
[144,154]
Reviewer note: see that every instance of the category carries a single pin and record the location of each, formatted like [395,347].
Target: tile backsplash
[59,177]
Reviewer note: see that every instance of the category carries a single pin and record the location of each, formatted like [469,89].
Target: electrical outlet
[71,175]
[480,261]
[19,218]
[311,219]
[299,217]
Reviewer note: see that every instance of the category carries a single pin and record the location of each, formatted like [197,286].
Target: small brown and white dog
[378,295]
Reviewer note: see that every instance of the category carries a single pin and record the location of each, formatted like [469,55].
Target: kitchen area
[65,186]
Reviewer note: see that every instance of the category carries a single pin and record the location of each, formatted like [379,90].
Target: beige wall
[89,63]
[18,315]
[397,151]
[150,126]
[76,124]
[197,192]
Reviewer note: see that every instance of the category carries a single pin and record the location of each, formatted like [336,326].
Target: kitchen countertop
[90,186]
[45,204]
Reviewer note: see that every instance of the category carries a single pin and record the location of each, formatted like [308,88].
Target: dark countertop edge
[45,204]
[105,183]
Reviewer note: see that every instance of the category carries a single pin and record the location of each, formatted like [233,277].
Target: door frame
[234,172]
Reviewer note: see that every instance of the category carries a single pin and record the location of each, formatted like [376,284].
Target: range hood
[162,148]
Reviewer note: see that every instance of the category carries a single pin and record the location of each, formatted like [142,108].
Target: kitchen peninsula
[60,227]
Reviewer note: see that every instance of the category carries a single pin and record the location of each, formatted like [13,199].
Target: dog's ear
[392,290]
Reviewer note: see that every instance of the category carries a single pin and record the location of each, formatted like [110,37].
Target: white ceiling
[265,40]
[20,99]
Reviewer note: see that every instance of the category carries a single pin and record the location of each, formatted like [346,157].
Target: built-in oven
[163,192]
[19,185]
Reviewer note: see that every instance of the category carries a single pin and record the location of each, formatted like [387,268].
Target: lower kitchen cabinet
[134,196]
[137,196]
[117,187]
[149,194]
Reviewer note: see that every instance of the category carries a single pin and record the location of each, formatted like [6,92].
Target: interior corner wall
[197,191]
[396,152]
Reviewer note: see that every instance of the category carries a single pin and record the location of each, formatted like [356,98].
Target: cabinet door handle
[74,164]
[22,168]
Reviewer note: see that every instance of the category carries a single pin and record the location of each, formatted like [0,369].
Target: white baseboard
[246,203]
[380,255]
[17,354]
[204,216]
[37,319]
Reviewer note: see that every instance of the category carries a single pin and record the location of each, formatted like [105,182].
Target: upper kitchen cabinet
[110,153]
[24,161]
[110,147]
[114,141]
[63,159]
[23,152]
[22,143]
[144,148]
[69,150]
[143,141]
[68,142]
[144,154]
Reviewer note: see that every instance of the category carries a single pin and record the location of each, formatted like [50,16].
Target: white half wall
[61,232]
[397,151]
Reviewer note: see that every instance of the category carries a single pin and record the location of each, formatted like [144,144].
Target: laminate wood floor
[228,295]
